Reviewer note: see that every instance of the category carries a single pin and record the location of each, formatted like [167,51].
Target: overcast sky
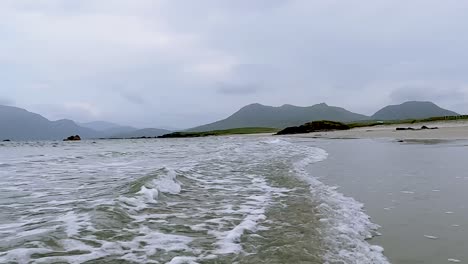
[172,63]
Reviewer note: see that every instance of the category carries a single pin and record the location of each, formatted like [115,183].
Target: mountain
[19,124]
[257,115]
[146,132]
[108,129]
[99,125]
[411,110]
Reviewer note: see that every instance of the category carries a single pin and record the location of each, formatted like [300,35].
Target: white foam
[431,237]
[150,191]
[21,255]
[277,141]
[168,183]
[453,260]
[147,242]
[74,223]
[253,210]
[229,242]
[346,226]
[33,232]
[183,260]
[149,195]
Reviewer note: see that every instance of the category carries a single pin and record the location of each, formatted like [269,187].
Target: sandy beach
[447,130]
[415,192]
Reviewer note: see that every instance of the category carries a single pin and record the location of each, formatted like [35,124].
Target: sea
[230,199]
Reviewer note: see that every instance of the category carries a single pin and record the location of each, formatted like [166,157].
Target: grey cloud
[230,89]
[134,98]
[80,112]
[213,56]
[449,95]
[6,101]
[247,79]
[428,93]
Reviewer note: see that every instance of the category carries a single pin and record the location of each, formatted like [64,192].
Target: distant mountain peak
[253,105]
[258,115]
[411,110]
[322,104]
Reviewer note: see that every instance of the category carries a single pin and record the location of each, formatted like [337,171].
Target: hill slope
[108,129]
[411,110]
[257,115]
[146,132]
[19,124]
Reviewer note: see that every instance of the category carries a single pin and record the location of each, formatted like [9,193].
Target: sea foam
[346,226]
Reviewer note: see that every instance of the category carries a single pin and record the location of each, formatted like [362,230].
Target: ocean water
[204,200]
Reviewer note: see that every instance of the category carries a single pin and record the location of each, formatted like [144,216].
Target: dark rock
[316,126]
[6,140]
[410,128]
[73,138]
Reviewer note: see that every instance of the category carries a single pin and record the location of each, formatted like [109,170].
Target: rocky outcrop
[411,128]
[316,126]
[73,138]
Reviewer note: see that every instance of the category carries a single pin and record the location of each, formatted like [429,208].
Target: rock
[73,138]
[410,128]
[315,126]
[6,140]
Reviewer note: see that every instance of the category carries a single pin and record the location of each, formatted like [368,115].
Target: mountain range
[257,115]
[19,124]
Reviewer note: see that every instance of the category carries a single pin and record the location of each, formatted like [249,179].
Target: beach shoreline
[446,130]
[412,191]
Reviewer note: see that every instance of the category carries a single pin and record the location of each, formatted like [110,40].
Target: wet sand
[416,192]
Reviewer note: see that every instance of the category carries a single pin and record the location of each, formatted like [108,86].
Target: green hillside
[257,115]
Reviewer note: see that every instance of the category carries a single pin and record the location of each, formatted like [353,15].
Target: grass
[225,132]
[326,125]
[406,121]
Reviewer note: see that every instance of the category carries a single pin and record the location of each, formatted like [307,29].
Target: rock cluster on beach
[411,128]
[73,138]
[315,126]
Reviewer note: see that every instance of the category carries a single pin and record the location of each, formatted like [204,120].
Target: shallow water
[416,190]
[210,200]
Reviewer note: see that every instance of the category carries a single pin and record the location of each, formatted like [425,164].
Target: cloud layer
[184,63]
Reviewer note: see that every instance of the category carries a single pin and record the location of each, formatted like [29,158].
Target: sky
[182,63]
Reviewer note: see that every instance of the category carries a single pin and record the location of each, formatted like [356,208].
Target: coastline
[447,130]
[413,191]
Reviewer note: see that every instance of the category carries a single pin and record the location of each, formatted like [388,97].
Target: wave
[206,204]
[346,226]
[146,190]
